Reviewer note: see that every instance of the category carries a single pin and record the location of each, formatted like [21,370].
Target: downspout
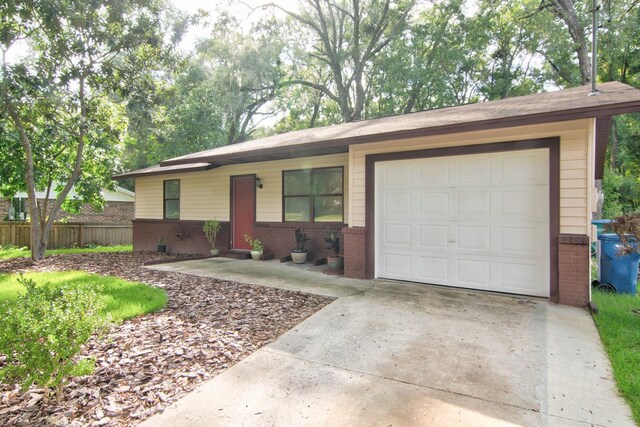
[594,48]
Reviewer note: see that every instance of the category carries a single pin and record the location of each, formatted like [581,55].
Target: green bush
[43,330]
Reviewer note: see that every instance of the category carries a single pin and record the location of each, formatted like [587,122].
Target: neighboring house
[118,209]
[496,196]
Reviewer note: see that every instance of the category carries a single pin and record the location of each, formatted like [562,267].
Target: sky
[246,11]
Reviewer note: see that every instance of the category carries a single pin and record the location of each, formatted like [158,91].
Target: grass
[123,299]
[618,322]
[13,252]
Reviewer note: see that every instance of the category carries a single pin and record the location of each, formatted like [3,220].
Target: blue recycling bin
[600,223]
[620,271]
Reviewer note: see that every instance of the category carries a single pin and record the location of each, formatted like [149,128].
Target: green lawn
[123,299]
[12,252]
[618,322]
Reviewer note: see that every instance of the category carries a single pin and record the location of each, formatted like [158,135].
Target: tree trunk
[34,215]
[565,10]
[38,248]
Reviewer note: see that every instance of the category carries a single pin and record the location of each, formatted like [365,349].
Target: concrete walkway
[388,353]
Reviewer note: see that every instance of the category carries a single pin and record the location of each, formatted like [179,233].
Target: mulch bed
[146,363]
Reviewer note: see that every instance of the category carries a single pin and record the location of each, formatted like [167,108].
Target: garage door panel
[397,205]
[471,204]
[525,241]
[473,272]
[475,238]
[398,176]
[397,265]
[524,203]
[476,221]
[433,173]
[434,205]
[433,236]
[397,235]
[474,170]
[433,269]
[518,169]
[522,278]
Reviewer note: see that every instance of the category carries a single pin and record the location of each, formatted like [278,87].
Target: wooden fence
[17,233]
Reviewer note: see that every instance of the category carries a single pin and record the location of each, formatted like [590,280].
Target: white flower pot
[299,257]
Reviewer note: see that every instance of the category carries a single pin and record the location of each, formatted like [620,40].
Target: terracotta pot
[257,255]
[336,263]
[214,252]
[299,257]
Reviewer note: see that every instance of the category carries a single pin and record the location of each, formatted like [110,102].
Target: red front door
[243,202]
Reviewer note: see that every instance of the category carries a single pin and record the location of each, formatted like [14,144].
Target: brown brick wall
[4,208]
[113,213]
[181,236]
[279,237]
[355,239]
[573,270]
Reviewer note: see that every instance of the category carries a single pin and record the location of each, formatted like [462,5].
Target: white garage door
[473,221]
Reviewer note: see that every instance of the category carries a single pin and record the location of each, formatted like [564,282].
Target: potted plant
[299,253]
[211,229]
[257,248]
[335,262]
[161,246]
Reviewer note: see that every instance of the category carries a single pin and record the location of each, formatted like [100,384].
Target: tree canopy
[61,123]
[103,90]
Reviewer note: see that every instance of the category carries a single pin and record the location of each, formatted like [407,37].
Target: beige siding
[148,197]
[205,195]
[576,160]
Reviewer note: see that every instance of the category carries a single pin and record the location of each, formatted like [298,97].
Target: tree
[345,37]
[57,100]
[244,72]
[217,96]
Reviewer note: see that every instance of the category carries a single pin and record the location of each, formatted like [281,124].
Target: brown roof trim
[603,125]
[342,144]
[160,170]
[564,105]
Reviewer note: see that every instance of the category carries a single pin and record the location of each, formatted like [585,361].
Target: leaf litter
[146,363]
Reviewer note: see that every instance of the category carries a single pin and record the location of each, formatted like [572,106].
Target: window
[18,210]
[172,199]
[313,195]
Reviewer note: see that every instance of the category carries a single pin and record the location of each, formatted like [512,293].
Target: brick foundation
[181,237]
[279,237]
[573,270]
[113,213]
[355,239]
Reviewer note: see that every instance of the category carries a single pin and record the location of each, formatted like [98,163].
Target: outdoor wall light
[259,182]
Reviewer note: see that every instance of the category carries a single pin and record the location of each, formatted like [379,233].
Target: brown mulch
[144,364]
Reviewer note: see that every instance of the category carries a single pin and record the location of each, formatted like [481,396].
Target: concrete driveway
[389,353]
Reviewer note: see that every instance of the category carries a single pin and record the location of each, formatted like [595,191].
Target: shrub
[627,227]
[43,330]
[211,229]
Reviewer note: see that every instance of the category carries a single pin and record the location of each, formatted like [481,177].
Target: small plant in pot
[161,246]
[211,229]
[299,253]
[336,262]
[257,248]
